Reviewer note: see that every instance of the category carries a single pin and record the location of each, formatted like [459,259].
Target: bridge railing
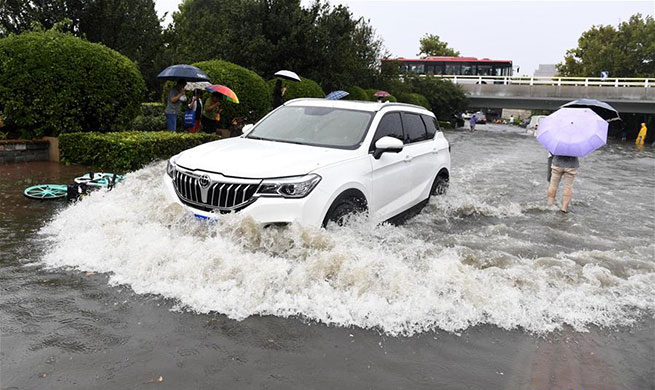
[619,82]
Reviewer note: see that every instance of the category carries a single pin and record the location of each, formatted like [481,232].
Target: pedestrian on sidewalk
[472,122]
[196,106]
[278,94]
[211,113]
[175,96]
[567,167]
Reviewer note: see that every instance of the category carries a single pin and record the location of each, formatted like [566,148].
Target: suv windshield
[317,126]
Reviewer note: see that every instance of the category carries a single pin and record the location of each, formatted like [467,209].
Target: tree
[130,27]
[445,98]
[431,45]
[628,51]
[320,42]
[17,16]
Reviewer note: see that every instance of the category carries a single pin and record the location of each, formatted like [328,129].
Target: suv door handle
[408,158]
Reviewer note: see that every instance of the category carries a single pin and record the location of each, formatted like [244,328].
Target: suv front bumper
[308,211]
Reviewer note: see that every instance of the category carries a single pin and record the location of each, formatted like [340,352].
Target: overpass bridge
[627,95]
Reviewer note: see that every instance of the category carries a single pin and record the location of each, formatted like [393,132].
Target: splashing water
[479,255]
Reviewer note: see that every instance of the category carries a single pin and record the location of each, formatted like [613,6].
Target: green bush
[357,93]
[152,109]
[445,125]
[126,151]
[416,99]
[55,83]
[306,88]
[149,123]
[252,91]
[151,118]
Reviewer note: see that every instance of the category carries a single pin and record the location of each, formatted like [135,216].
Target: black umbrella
[183,72]
[603,109]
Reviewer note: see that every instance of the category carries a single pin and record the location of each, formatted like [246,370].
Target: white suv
[314,161]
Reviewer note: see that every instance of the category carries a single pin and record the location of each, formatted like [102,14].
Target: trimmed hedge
[252,91]
[416,99]
[305,88]
[55,83]
[126,151]
[357,93]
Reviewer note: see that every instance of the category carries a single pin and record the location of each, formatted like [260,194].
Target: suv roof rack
[381,104]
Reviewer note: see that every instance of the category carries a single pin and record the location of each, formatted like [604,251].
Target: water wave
[398,279]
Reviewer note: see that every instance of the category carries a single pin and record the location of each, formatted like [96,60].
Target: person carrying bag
[193,113]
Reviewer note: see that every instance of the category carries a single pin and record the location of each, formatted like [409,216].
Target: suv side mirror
[247,128]
[387,144]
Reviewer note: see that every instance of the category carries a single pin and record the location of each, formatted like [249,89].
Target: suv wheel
[344,206]
[440,184]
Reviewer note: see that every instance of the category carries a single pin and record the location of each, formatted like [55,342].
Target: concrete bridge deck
[626,95]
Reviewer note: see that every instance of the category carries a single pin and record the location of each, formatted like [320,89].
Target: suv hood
[251,158]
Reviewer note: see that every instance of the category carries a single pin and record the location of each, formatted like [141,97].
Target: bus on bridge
[465,66]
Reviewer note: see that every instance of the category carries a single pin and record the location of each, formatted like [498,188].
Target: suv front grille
[218,195]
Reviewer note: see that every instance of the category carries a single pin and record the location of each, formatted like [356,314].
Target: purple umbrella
[574,132]
[382,94]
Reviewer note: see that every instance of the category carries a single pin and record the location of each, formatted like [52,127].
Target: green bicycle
[74,191]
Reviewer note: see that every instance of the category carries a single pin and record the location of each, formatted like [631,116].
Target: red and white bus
[465,66]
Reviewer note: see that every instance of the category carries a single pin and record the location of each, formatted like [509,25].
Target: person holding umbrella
[280,89]
[211,113]
[567,134]
[567,167]
[278,94]
[180,73]
[175,96]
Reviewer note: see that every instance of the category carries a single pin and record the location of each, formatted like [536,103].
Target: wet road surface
[486,288]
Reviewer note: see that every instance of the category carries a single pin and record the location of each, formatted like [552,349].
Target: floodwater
[487,288]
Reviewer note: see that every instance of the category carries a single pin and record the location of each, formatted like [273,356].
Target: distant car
[524,123]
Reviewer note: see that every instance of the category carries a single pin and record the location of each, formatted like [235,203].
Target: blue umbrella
[336,95]
[183,72]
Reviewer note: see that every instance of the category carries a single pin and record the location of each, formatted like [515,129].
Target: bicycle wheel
[46,191]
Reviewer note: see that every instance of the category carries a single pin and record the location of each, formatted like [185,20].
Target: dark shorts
[208,125]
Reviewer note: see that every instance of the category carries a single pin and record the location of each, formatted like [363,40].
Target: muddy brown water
[83,320]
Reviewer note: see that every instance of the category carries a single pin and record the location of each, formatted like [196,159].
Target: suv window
[390,125]
[414,128]
[431,124]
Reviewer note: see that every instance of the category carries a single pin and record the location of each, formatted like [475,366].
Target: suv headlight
[170,167]
[289,187]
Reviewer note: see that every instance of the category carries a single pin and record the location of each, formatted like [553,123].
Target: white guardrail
[556,81]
